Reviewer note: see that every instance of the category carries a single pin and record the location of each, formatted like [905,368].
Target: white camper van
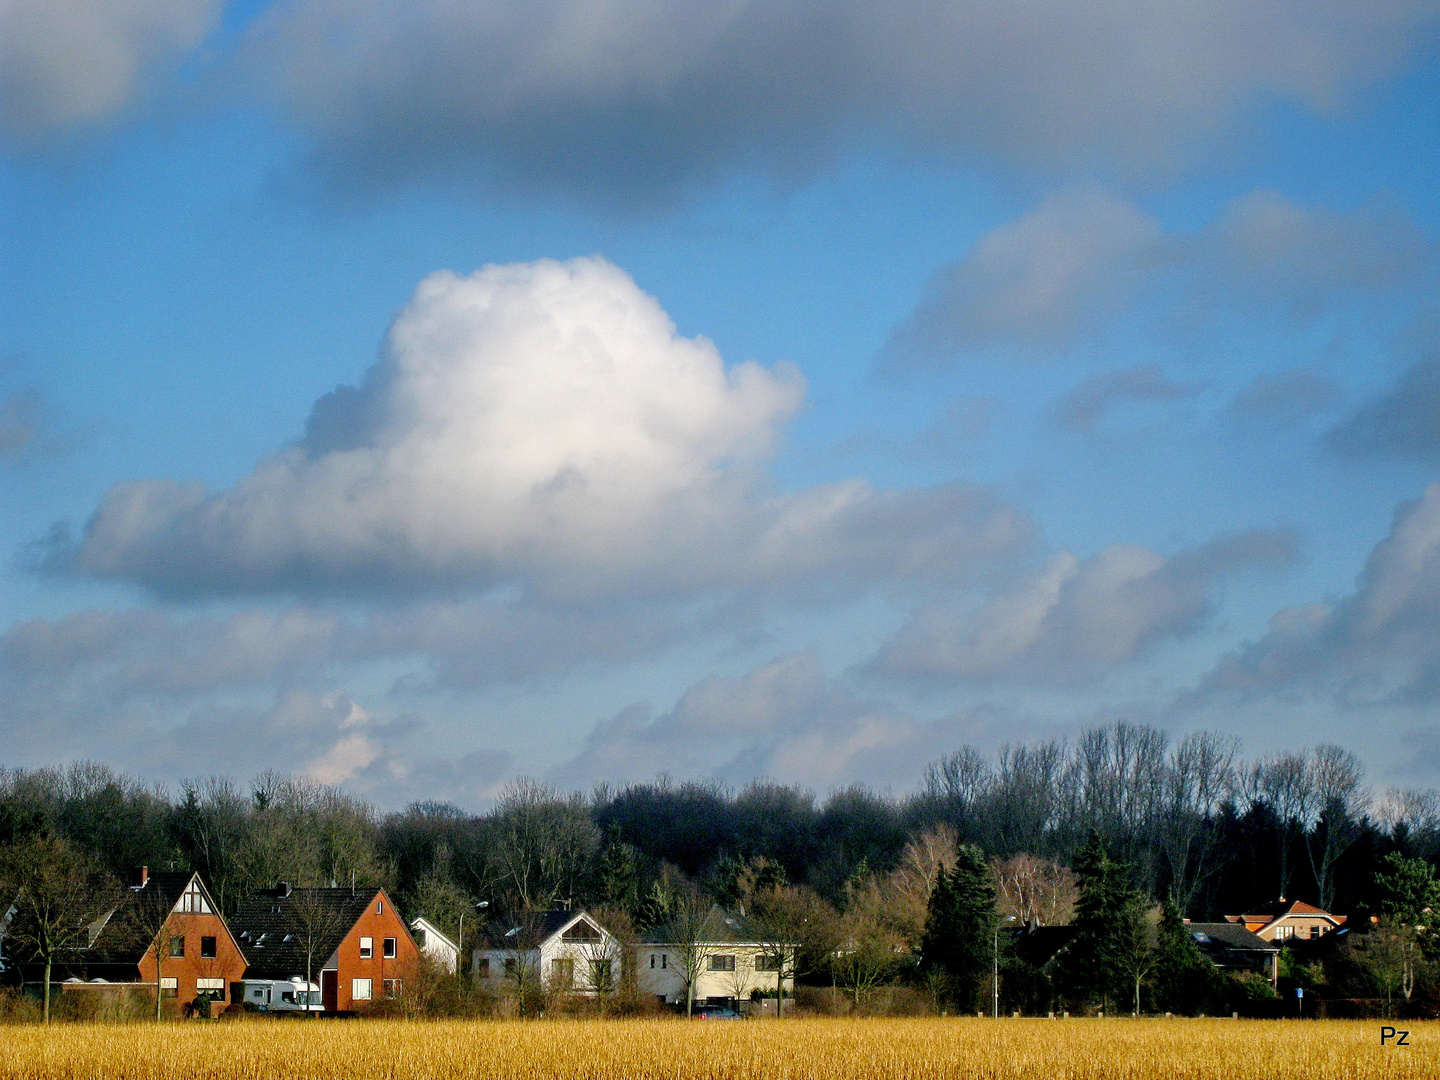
[283,995]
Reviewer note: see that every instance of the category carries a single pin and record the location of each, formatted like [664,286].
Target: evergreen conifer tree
[1183,979]
[958,925]
[1091,967]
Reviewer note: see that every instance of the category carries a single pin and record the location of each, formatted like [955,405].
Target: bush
[18,1007]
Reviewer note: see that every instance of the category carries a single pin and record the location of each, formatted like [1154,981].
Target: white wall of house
[732,970]
[559,963]
[443,952]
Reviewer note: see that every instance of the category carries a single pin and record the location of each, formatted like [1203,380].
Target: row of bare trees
[1156,804]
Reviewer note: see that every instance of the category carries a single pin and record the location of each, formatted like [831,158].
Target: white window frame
[361,989]
[367,948]
[389,947]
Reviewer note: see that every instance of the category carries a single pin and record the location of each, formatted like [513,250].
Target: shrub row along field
[679,1050]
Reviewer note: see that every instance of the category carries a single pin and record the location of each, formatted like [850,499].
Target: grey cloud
[1086,405]
[540,426]
[70,62]
[785,719]
[19,424]
[635,101]
[1403,422]
[1071,619]
[1058,277]
[1283,395]
[1040,282]
[1379,644]
[101,656]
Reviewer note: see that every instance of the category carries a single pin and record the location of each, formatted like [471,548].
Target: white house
[554,950]
[730,959]
[443,952]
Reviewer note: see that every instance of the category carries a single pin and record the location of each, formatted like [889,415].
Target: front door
[330,990]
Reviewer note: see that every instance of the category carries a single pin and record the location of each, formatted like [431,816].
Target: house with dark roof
[199,957]
[558,950]
[352,939]
[735,960]
[1286,920]
[1232,947]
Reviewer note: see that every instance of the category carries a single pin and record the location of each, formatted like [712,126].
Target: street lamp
[480,905]
[995,1008]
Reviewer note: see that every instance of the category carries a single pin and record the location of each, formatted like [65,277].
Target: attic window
[581,931]
[379,907]
[192,900]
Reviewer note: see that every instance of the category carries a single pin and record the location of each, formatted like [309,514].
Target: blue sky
[767,389]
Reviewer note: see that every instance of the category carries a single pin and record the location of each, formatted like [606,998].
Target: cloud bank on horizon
[543,498]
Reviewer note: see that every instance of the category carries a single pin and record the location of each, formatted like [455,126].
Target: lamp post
[995,1006]
[480,905]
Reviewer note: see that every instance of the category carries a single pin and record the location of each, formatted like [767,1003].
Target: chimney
[139,876]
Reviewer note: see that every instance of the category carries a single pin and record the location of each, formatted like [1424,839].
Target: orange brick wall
[228,964]
[377,925]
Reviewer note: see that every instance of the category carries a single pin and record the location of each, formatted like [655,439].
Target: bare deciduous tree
[1035,890]
[61,900]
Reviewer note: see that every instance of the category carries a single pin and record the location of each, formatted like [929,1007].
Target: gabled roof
[124,934]
[538,928]
[719,927]
[1228,936]
[273,926]
[1038,945]
[432,931]
[1268,914]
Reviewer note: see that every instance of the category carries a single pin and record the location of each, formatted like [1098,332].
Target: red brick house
[1288,920]
[351,941]
[199,956]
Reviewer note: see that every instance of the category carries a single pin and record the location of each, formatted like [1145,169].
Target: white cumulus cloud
[541,424]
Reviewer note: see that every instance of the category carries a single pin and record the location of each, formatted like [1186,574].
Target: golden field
[672,1049]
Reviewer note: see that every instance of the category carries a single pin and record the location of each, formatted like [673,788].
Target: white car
[283,995]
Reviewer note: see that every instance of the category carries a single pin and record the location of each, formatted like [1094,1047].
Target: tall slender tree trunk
[47,988]
[159,960]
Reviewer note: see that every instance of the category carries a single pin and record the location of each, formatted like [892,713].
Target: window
[1283,933]
[392,988]
[562,974]
[767,962]
[207,948]
[214,989]
[1316,931]
[367,948]
[581,931]
[664,960]
[722,963]
[169,988]
[177,946]
[419,936]
[512,968]
[482,967]
[360,990]
[652,960]
[192,900]
[389,948]
[379,907]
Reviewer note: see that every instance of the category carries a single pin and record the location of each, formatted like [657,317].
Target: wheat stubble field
[756,1050]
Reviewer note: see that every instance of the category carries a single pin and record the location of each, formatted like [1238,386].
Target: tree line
[1174,829]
